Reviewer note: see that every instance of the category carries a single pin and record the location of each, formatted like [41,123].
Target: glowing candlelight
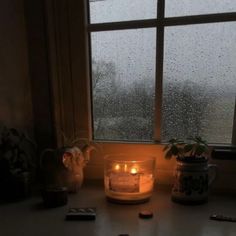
[117,167]
[133,171]
[128,180]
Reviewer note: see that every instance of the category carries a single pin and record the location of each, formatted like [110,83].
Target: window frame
[160,23]
[68,53]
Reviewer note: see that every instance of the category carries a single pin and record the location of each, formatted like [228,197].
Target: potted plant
[17,153]
[192,176]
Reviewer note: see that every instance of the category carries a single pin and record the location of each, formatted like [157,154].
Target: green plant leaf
[200,149]
[173,140]
[181,143]
[180,152]
[166,147]
[168,155]
[198,139]
[176,141]
[175,150]
[188,147]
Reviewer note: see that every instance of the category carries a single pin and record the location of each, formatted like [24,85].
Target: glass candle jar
[129,179]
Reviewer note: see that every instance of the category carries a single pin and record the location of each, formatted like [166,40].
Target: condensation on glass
[102,11]
[198,7]
[199,81]
[123,79]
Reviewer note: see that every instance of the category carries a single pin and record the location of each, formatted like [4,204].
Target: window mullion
[123,25]
[234,126]
[159,70]
[199,19]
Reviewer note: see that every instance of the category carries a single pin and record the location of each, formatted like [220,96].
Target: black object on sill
[54,196]
[222,218]
[81,213]
[145,214]
[224,153]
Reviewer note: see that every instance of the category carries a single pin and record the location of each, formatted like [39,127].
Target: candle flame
[117,167]
[133,171]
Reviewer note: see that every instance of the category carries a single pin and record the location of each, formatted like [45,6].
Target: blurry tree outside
[127,113]
[120,113]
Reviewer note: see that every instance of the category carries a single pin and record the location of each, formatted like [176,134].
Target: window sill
[224,153]
[169,218]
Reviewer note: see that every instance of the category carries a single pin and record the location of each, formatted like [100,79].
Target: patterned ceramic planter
[192,181]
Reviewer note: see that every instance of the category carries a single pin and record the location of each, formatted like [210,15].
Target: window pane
[199,81]
[198,7]
[121,10]
[123,77]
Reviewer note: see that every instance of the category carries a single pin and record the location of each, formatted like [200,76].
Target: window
[163,69]
[200,74]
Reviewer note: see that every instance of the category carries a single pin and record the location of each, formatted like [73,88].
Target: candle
[128,181]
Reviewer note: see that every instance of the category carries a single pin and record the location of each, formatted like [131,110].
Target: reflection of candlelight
[125,167]
[117,167]
[133,171]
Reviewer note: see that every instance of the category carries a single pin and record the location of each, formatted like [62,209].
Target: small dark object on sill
[54,197]
[145,214]
[224,153]
[81,213]
[222,218]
